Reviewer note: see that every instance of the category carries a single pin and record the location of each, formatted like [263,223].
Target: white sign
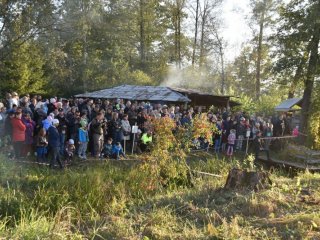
[248,133]
[134,129]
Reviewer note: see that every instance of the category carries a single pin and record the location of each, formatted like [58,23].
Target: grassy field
[114,201]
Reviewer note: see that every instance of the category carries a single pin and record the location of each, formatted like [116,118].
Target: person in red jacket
[18,134]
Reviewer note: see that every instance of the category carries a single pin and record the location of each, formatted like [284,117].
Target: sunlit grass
[106,201]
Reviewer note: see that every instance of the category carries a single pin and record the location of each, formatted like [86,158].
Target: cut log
[243,179]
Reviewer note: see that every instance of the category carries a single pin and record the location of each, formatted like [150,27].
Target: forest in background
[63,47]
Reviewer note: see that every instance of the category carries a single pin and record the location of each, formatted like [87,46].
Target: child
[117,151]
[83,140]
[146,141]
[217,137]
[107,149]
[231,141]
[224,140]
[42,144]
[295,131]
[70,148]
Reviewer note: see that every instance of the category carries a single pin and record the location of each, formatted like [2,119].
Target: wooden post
[133,142]
[134,131]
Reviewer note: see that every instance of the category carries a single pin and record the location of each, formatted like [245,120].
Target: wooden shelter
[200,98]
[289,105]
[161,94]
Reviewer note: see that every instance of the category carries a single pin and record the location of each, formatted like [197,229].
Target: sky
[235,29]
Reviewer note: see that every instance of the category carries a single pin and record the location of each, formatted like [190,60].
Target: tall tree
[22,23]
[23,69]
[262,14]
[177,15]
[23,20]
[208,24]
[313,65]
[196,25]
[300,26]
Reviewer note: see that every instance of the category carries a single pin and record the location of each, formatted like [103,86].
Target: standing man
[258,147]
[63,122]
[54,143]
[97,129]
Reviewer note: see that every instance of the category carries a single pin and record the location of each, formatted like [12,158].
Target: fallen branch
[208,174]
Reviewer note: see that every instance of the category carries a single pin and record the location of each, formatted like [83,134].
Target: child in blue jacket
[117,151]
[83,140]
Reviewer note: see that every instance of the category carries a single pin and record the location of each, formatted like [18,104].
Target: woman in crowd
[18,134]
[30,126]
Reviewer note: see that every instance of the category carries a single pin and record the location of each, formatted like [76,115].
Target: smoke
[191,78]
[174,77]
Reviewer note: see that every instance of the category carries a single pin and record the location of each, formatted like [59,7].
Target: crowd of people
[66,128]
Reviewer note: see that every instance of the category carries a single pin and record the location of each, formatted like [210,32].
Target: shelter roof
[197,92]
[140,93]
[288,104]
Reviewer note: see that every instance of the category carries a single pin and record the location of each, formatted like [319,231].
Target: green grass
[113,201]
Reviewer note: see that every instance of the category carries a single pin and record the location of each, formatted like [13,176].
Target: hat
[14,94]
[55,121]
[52,100]
[71,141]
[83,123]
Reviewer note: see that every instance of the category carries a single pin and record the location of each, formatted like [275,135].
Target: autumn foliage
[166,164]
[203,128]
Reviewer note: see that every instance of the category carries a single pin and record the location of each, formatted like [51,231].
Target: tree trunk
[85,11]
[312,68]
[243,179]
[179,36]
[203,23]
[195,34]
[142,33]
[311,72]
[222,69]
[176,39]
[259,52]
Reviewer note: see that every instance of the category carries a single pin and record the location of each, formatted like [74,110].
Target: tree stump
[243,179]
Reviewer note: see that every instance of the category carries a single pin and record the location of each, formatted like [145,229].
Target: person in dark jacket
[41,144]
[107,149]
[62,128]
[8,126]
[88,108]
[54,143]
[51,106]
[257,145]
[30,126]
[116,128]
